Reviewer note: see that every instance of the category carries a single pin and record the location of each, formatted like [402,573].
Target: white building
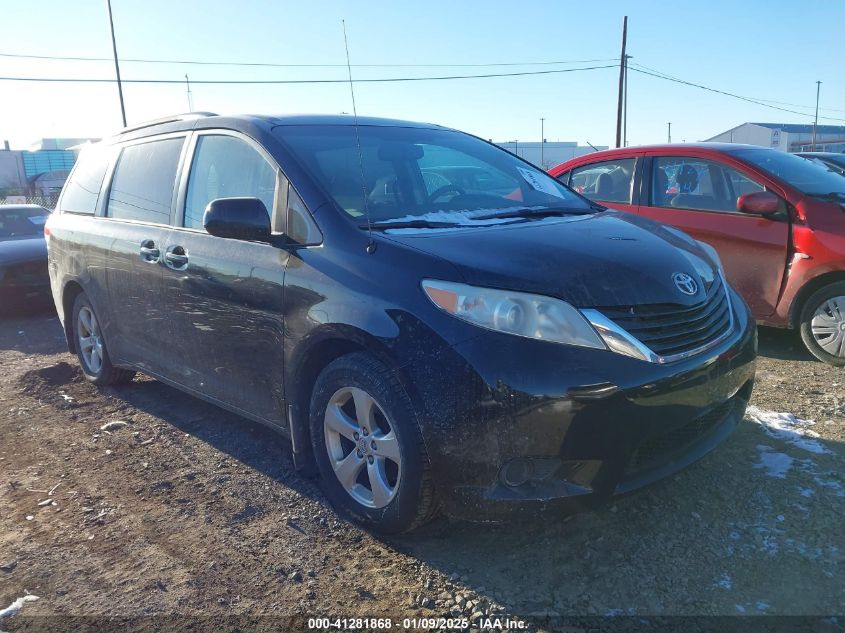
[552,153]
[786,137]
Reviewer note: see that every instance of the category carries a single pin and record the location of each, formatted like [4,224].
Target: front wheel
[91,348]
[823,324]
[368,447]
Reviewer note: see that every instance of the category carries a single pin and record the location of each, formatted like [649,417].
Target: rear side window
[142,187]
[227,167]
[83,189]
[608,181]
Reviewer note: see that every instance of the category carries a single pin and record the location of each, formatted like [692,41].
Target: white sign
[540,182]
[775,138]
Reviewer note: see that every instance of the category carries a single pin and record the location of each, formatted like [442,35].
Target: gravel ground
[185,508]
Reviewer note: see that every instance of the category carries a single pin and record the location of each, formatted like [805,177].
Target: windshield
[407,174]
[22,222]
[807,176]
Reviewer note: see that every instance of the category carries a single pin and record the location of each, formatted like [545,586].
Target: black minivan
[435,323]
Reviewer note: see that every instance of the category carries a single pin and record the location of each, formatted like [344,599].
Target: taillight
[47,231]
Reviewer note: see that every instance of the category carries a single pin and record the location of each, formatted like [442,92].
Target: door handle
[149,251]
[176,258]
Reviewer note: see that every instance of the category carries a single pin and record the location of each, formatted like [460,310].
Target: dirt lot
[188,509]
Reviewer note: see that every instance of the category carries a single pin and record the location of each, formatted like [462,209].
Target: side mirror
[237,218]
[758,202]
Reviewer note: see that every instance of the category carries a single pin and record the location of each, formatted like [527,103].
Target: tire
[826,307]
[389,492]
[91,348]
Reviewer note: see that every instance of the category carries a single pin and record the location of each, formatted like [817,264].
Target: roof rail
[186,116]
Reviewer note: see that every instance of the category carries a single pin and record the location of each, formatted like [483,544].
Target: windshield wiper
[412,224]
[538,213]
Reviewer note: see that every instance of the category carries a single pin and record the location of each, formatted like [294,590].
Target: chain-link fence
[47,201]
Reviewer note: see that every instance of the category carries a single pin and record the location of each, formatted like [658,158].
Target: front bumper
[23,283]
[585,424]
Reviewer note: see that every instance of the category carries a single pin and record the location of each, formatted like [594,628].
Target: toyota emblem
[685,283]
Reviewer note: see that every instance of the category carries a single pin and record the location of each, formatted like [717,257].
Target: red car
[776,220]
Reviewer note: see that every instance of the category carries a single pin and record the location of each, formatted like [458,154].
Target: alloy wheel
[89,339]
[362,447]
[828,326]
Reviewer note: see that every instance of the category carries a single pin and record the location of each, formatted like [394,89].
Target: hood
[19,250]
[601,260]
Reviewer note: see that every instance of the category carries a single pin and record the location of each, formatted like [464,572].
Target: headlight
[518,313]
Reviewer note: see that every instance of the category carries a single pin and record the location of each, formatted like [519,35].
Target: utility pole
[669,134]
[116,66]
[621,83]
[625,106]
[516,147]
[816,120]
[190,99]
[542,141]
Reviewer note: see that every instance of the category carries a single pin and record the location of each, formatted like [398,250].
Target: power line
[758,100]
[274,65]
[727,94]
[305,81]
[636,67]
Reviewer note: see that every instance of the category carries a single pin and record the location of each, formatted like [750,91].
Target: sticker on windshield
[540,184]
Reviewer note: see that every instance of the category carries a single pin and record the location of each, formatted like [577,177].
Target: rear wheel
[823,324]
[368,447]
[91,348]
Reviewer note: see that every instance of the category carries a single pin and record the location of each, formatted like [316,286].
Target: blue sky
[773,50]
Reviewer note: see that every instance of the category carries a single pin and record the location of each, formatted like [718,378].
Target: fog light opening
[516,472]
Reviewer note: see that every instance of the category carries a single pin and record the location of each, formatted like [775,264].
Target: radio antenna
[371,245]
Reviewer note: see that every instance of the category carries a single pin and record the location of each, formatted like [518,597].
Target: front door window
[226,167]
[681,182]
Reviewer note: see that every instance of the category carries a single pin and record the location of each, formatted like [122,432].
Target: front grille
[658,449]
[670,329]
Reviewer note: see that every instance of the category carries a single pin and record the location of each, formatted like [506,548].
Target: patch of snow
[781,518]
[807,492]
[762,605]
[740,608]
[724,581]
[788,428]
[776,464]
[115,424]
[770,545]
[16,606]
[810,553]
[460,216]
[834,485]
[66,397]
[466,217]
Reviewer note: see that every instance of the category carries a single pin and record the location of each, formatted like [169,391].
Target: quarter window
[608,181]
[83,189]
[699,184]
[227,167]
[300,226]
[142,187]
